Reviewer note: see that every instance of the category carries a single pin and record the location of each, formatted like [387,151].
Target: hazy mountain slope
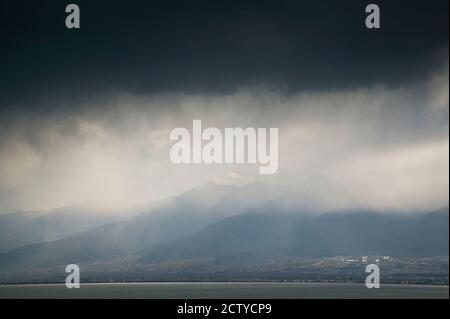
[294,235]
[210,221]
[173,219]
[23,228]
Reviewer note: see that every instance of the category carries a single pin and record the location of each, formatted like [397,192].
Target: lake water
[220,290]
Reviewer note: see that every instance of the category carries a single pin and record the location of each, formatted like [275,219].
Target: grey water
[223,290]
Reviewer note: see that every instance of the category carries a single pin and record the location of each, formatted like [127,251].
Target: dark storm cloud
[85,115]
[211,47]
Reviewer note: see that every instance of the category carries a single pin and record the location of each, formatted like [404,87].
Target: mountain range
[222,222]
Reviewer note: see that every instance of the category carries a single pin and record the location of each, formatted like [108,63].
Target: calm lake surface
[213,290]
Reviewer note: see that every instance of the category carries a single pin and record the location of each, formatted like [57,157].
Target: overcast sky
[85,114]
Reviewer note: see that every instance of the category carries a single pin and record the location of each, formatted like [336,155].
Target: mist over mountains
[287,234]
[28,227]
[362,148]
[171,219]
[226,223]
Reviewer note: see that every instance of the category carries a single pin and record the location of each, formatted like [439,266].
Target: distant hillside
[172,219]
[24,228]
[220,221]
[295,235]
